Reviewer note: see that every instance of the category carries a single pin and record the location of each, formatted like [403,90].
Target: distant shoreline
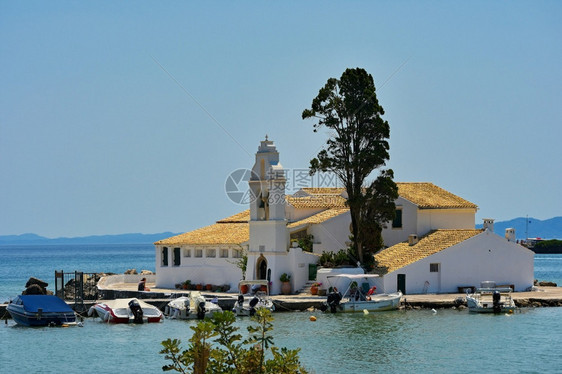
[33,239]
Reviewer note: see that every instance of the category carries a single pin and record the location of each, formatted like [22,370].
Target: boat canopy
[354,276]
[261,282]
[48,303]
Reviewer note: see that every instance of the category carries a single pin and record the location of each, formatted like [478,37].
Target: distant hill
[547,229]
[33,239]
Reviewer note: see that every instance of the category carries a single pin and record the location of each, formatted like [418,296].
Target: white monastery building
[432,245]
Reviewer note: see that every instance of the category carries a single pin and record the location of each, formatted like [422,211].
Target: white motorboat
[193,306]
[491,300]
[253,294]
[126,311]
[360,295]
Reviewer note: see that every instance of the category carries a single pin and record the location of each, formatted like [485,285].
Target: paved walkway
[544,296]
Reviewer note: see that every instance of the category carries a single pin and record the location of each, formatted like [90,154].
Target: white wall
[433,219]
[331,235]
[203,270]
[392,236]
[486,256]
[273,235]
[294,262]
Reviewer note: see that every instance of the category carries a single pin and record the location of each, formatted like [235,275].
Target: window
[397,221]
[187,252]
[177,256]
[434,268]
[224,253]
[211,252]
[198,253]
[236,253]
[165,256]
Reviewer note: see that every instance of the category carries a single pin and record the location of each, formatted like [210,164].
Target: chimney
[488,224]
[412,239]
[510,235]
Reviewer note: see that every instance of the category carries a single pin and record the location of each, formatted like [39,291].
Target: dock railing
[76,286]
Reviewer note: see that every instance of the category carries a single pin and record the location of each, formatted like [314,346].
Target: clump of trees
[349,109]
[548,246]
[217,347]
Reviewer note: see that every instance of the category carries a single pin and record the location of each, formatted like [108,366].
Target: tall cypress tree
[358,145]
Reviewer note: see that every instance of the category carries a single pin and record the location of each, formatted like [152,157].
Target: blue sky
[120,117]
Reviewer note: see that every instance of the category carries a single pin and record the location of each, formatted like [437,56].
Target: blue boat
[41,310]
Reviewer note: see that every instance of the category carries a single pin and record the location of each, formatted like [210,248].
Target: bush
[331,259]
[227,353]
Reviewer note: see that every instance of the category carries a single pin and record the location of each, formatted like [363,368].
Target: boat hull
[245,309]
[378,303]
[46,319]
[475,306]
[187,308]
[117,311]
[41,310]
[491,300]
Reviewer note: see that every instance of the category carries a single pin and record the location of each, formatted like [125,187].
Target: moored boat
[126,311]
[491,300]
[193,306]
[41,310]
[253,294]
[360,295]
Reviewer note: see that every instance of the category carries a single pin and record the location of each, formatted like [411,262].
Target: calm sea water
[399,341]
[21,262]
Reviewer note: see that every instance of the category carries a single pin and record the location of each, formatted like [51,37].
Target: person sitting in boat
[142,285]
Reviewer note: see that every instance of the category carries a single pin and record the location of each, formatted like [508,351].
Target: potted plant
[285,284]
[314,288]
[178,286]
[244,289]
[209,287]
[199,287]
[186,284]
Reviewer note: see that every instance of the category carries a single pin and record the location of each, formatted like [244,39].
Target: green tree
[227,353]
[348,107]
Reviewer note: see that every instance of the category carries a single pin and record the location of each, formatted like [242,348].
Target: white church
[432,245]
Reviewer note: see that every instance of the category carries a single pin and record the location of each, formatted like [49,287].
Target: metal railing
[76,286]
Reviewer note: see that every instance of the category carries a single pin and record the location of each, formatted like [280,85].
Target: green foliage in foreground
[217,347]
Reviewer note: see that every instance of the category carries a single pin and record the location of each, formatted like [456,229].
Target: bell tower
[268,226]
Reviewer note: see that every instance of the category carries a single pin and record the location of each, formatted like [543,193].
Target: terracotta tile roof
[319,217]
[231,230]
[324,190]
[402,254]
[328,201]
[237,218]
[429,196]
[219,233]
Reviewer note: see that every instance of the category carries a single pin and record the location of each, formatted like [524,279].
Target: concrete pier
[543,297]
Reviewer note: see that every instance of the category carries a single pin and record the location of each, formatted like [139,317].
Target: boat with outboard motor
[191,306]
[126,311]
[359,295]
[253,294]
[41,310]
[491,300]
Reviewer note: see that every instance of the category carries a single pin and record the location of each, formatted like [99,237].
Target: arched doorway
[261,268]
